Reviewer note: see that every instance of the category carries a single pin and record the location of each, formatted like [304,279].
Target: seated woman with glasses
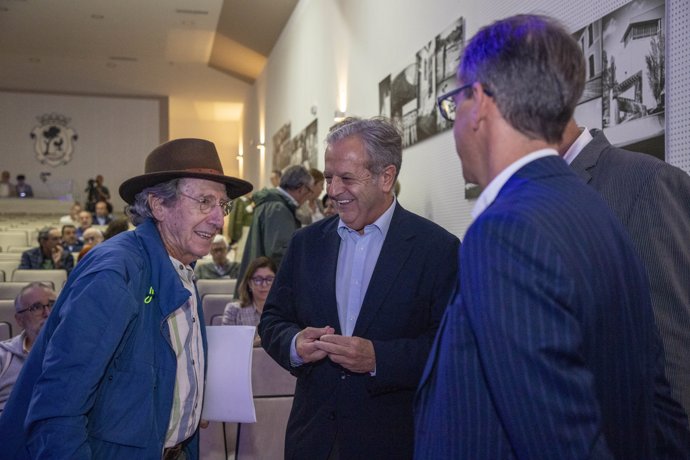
[253,291]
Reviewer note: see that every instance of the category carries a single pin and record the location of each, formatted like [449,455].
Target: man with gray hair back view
[274,221]
[549,348]
[119,368]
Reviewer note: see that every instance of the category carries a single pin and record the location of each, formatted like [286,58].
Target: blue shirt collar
[382,224]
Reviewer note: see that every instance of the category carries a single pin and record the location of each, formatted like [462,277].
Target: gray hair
[44,233]
[140,211]
[381,138]
[533,69]
[294,177]
[18,304]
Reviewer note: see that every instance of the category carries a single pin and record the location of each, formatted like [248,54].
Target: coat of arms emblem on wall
[53,139]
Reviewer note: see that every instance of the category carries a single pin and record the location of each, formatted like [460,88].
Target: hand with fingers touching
[307,340]
[353,353]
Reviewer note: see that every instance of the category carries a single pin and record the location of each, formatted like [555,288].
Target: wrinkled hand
[353,353]
[57,255]
[306,341]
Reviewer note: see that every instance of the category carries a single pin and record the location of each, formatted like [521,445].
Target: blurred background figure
[311,210]
[7,188]
[73,217]
[93,236]
[32,306]
[275,177]
[221,267]
[23,189]
[85,221]
[253,291]
[102,215]
[116,226]
[328,206]
[70,242]
[49,255]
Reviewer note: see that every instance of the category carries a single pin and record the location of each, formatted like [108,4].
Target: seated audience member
[116,226]
[311,210]
[7,188]
[93,236]
[70,242]
[253,291]
[85,221]
[102,216]
[32,307]
[221,267]
[23,189]
[49,254]
[328,206]
[73,216]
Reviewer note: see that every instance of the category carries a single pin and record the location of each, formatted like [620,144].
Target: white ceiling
[136,47]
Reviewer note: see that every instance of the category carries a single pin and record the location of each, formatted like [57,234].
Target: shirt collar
[288,196]
[186,272]
[574,150]
[382,224]
[491,191]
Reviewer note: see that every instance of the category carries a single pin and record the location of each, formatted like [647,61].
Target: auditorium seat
[213,306]
[226,286]
[5,331]
[10,289]
[13,238]
[7,316]
[56,277]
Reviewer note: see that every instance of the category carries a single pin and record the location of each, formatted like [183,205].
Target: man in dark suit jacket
[652,199]
[356,304]
[548,349]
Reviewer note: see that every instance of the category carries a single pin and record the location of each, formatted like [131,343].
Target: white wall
[114,136]
[334,48]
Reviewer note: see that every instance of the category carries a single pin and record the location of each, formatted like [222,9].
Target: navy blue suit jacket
[549,349]
[408,292]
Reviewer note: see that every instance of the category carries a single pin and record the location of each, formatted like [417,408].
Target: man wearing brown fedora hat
[118,371]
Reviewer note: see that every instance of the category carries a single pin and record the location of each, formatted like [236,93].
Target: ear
[387,178]
[157,208]
[481,103]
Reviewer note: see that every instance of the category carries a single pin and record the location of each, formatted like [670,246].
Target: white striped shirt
[185,337]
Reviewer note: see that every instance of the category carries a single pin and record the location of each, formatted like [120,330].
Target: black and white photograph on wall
[404,103]
[409,98]
[281,149]
[300,150]
[449,46]
[385,97]
[625,62]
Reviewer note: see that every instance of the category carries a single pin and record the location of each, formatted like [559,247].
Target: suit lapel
[588,157]
[395,251]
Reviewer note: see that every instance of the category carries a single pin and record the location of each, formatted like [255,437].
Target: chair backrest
[13,238]
[226,286]
[18,249]
[8,266]
[11,256]
[268,377]
[5,331]
[7,316]
[57,277]
[214,306]
[10,289]
[266,437]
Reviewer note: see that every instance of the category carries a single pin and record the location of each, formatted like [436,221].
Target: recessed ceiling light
[97,16]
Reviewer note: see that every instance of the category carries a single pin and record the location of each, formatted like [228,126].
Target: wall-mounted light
[339,115]
[260,146]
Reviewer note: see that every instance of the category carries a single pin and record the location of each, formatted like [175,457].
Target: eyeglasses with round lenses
[447,103]
[259,281]
[207,203]
[37,308]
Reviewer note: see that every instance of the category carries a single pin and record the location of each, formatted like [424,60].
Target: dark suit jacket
[652,199]
[549,348]
[402,308]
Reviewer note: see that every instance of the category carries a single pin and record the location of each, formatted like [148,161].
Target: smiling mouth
[343,202]
[204,235]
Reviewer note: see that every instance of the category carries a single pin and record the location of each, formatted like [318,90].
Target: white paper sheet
[228,394]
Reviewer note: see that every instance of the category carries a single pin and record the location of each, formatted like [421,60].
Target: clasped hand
[353,353]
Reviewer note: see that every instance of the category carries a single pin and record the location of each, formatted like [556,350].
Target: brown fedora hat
[194,158]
